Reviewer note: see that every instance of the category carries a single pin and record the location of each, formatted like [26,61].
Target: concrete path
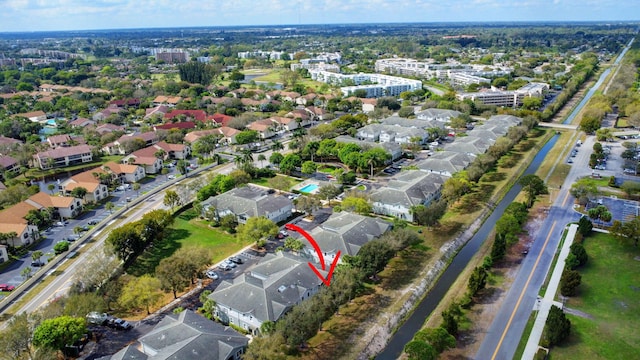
[544,304]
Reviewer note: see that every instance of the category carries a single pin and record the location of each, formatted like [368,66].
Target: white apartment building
[376,85]
[510,98]
[441,71]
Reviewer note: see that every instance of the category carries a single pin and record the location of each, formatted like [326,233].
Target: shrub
[569,282]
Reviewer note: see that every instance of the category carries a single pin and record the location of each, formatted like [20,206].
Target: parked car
[93,222]
[171,177]
[61,223]
[231,263]
[129,199]
[97,318]
[5,287]
[212,274]
[236,259]
[73,237]
[37,263]
[224,267]
[122,324]
[119,324]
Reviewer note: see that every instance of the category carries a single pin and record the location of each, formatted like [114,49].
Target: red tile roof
[178,125]
[199,115]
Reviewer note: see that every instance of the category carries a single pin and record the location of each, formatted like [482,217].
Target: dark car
[93,222]
[37,263]
[236,259]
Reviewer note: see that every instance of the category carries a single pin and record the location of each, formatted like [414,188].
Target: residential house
[470,145]
[124,103]
[406,190]
[302,114]
[35,116]
[194,136]
[82,122]
[319,113]
[170,101]
[285,123]
[369,105]
[248,201]
[221,119]
[56,141]
[7,141]
[68,207]
[443,115]
[12,221]
[109,128]
[63,156]
[193,115]
[185,125]
[104,114]
[174,151]
[158,111]
[414,123]
[228,134]
[125,173]
[186,336]
[147,159]
[7,163]
[344,232]
[445,163]
[266,292]
[265,128]
[120,146]
[96,190]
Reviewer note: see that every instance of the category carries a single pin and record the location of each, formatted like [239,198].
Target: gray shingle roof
[348,232]
[190,336]
[272,287]
[445,162]
[438,113]
[470,145]
[187,336]
[409,188]
[248,201]
[417,123]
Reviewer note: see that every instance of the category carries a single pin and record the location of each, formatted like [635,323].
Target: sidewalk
[544,305]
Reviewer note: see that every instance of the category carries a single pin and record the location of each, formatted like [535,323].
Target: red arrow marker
[312,241]
[326,281]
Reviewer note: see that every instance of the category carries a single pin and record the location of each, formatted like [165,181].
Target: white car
[212,275]
[171,177]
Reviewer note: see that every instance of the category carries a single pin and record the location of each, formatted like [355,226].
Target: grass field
[610,294]
[188,230]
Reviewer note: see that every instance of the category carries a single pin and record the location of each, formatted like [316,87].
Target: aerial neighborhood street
[173,189]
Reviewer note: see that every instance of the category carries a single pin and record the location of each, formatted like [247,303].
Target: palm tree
[51,187]
[109,206]
[261,158]
[277,145]
[247,156]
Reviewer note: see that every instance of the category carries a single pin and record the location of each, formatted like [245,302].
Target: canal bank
[436,280]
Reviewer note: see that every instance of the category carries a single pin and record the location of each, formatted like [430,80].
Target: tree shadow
[150,258]
[493,176]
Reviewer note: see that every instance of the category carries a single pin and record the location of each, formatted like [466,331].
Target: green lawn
[188,230]
[610,292]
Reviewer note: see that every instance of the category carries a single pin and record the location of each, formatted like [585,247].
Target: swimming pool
[309,188]
[52,122]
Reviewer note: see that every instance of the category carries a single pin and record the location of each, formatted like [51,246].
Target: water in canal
[416,320]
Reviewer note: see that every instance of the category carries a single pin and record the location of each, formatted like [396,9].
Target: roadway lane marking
[524,289]
[566,197]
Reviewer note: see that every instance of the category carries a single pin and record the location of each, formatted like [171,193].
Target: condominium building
[375,85]
[508,98]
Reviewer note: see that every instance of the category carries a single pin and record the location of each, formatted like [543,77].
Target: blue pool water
[52,122]
[309,188]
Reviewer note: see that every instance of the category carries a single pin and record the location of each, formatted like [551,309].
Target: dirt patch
[487,305]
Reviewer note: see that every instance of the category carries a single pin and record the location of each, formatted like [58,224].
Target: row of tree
[278,340]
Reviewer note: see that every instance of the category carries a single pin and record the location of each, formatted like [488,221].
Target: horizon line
[293,26]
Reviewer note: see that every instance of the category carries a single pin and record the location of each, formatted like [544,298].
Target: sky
[44,15]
